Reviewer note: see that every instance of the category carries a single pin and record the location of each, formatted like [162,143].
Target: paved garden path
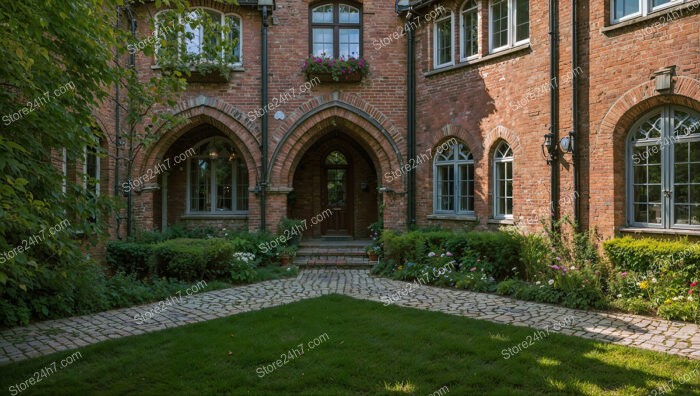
[57,335]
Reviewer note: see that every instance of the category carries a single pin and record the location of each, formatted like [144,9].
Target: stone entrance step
[317,253]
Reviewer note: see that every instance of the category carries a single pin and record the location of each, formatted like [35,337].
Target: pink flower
[472,269]
[694,284]
[558,258]
[555,267]
[448,254]
[624,274]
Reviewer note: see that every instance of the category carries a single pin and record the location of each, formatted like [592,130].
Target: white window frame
[222,22]
[98,169]
[452,41]
[668,162]
[645,8]
[456,162]
[496,186]
[462,30]
[512,21]
[212,185]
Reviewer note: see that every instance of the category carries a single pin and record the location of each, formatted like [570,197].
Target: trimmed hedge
[641,255]
[500,249]
[130,258]
[191,259]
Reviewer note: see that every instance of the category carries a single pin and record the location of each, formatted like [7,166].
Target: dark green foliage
[131,258]
[193,259]
[644,254]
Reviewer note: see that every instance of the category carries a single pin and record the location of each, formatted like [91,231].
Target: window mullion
[455,186]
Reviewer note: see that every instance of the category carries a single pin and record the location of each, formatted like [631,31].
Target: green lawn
[370,349]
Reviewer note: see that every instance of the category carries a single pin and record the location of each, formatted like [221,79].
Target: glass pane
[200,194]
[193,33]
[654,193]
[466,190]
[522,20]
[499,23]
[640,213]
[322,14]
[624,8]
[650,129]
[445,185]
[654,153]
[682,194]
[224,185]
[234,37]
[680,151]
[656,3]
[323,42]
[349,14]
[349,43]
[470,34]
[681,173]
[694,193]
[444,41]
[682,214]
[654,173]
[694,154]
[336,158]
[640,193]
[336,187]
[242,187]
[655,213]
[695,173]
[695,214]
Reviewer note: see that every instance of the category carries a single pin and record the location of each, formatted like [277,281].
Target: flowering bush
[340,69]
[242,267]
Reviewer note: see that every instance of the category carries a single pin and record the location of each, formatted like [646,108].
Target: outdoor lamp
[567,143]
[547,154]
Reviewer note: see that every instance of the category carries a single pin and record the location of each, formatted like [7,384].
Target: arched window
[663,169]
[336,31]
[469,24]
[217,179]
[503,182]
[453,171]
[204,32]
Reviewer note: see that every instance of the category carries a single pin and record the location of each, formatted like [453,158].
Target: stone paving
[43,338]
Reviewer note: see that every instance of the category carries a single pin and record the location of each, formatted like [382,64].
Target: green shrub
[535,255]
[242,267]
[688,311]
[635,305]
[641,255]
[130,258]
[190,259]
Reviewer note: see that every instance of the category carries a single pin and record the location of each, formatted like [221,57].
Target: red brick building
[448,128]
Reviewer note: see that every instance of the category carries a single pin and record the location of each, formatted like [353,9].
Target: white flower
[551,282]
[514,268]
[675,299]
[690,298]
[619,296]
[431,254]
[573,268]
[653,280]
[538,282]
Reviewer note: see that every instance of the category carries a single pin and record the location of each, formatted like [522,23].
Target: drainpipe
[263,60]
[554,108]
[575,116]
[117,137]
[132,66]
[411,123]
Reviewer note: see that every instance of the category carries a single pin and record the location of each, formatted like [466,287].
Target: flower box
[327,77]
[212,76]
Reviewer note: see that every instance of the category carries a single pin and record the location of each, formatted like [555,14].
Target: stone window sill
[464,217]
[212,216]
[502,221]
[653,16]
[483,59]
[660,231]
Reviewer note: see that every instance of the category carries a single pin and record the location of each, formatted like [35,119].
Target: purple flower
[558,258]
[472,269]
[555,267]
[448,254]
[624,274]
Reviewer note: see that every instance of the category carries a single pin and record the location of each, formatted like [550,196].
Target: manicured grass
[370,349]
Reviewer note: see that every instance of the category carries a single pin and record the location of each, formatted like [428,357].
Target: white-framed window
[443,41]
[509,23]
[621,10]
[503,182]
[217,179]
[469,30]
[453,181]
[663,169]
[198,42]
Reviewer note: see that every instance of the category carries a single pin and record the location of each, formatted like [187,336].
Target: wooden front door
[336,194]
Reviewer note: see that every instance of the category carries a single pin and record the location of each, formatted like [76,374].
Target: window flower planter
[212,76]
[340,70]
[327,77]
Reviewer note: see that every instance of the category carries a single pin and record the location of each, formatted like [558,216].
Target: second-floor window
[626,9]
[443,38]
[336,30]
[470,29]
[204,35]
[509,23]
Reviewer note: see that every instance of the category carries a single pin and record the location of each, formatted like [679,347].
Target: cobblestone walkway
[637,331]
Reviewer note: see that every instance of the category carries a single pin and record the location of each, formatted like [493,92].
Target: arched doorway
[335,175]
